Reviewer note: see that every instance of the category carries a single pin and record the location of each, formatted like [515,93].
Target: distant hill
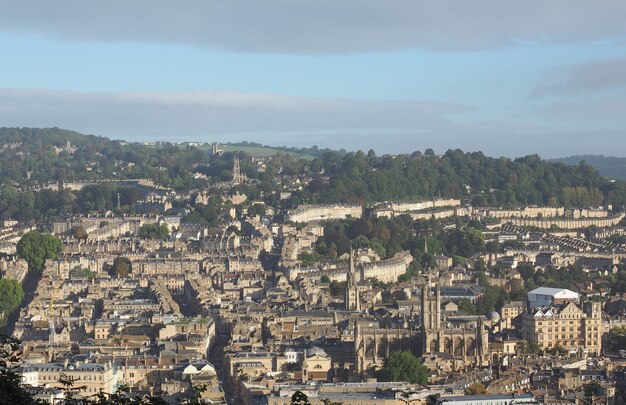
[608,166]
[32,157]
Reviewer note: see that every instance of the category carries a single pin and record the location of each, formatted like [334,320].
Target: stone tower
[431,308]
[351,297]
[236,170]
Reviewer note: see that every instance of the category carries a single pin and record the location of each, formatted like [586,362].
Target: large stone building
[465,338]
[308,213]
[373,344]
[91,378]
[569,325]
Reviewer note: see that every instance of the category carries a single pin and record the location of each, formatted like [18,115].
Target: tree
[337,288]
[466,306]
[308,259]
[11,388]
[36,248]
[79,232]
[404,367]
[591,389]
[527,348]
[299,398]
[121,267]
[475,389]
[257,209]
[11,295]
[154,231]
[615,339]
[82,272]
[493,299]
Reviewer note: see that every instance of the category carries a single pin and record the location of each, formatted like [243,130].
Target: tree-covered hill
[357,177]
[35,156]
[30,157]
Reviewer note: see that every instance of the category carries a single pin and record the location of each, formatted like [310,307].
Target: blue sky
[392,76]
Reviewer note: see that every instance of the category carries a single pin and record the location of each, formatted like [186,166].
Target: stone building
[463,337]
[309,213]
[91,378]
[569,325]
[373,344]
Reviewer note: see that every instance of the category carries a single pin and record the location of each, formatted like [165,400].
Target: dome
[494,316]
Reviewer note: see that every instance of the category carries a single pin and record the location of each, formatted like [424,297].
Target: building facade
[570,325]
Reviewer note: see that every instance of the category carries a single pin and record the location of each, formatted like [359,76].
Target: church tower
[351,297]
[430,318]
[236,169]
[431,308]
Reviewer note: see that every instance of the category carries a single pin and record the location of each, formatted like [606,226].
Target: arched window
[471,347]
[447,345]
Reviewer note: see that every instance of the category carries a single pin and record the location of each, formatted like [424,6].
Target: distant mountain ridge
[608,166]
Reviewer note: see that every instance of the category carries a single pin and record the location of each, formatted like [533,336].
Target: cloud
[170,115]
[320,26]
[385,126]
[590,76]
[608,112]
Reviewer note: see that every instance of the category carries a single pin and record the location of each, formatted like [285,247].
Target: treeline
[31,205]
[31,157]
[386,237]
[367,178]
[34,156]
[312,151]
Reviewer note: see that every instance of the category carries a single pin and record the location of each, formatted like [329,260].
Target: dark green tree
[121,267]
[78,232]
[154,231]
[36,248]
[299,398]
[257,209]
[11,295]
[405,367]
[11,389]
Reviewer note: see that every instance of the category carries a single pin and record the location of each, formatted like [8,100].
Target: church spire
[351,277]
[351,297]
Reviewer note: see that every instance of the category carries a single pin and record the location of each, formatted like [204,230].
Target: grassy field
[258,151]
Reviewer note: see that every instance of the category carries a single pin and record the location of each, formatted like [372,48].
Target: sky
[508,78]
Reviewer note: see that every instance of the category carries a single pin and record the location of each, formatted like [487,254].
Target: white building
[546,296]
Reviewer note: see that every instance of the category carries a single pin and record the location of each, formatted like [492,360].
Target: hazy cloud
[385,126]
[590,76]
[609,112]
[321,26]
[169,115]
